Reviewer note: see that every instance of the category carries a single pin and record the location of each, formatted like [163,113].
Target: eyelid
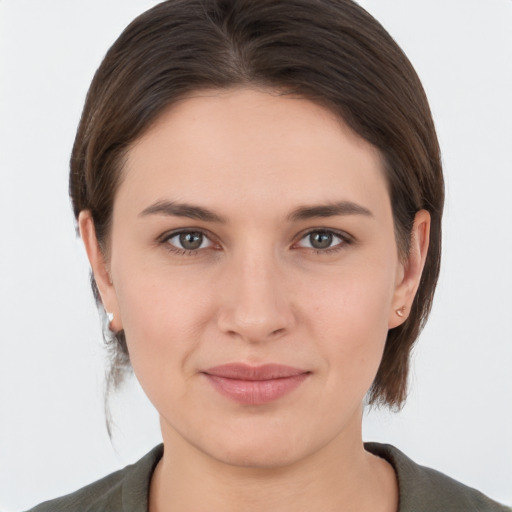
[165,237]
[345,238]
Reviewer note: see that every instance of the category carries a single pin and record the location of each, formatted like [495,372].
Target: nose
[256,305]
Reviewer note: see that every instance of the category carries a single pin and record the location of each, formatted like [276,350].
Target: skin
[257,291]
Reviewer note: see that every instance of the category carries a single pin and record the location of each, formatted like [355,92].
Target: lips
[255,385]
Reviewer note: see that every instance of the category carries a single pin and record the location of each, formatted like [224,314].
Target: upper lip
[242,371]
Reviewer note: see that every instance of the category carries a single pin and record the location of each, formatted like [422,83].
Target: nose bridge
[257,306]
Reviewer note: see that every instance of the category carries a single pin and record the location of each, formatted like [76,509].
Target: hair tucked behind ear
[329,51]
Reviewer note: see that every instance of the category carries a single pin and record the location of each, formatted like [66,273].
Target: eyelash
[164,240]
[344,237]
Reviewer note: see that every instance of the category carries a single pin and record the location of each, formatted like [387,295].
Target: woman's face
[254,269]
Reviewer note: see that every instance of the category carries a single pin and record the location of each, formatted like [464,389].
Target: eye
[322,240]
[188,241]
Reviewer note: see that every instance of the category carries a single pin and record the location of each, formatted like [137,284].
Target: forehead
[232,148]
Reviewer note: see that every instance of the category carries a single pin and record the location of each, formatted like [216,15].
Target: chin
[260,447]
[258,455]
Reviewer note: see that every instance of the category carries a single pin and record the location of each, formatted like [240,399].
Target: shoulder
[125,490]
[427,490]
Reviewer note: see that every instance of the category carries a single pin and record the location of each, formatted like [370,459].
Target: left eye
[189,240]
[321,240]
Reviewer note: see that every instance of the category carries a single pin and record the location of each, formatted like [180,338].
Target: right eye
[188,241]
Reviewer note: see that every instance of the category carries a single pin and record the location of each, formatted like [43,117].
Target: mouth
[255,385]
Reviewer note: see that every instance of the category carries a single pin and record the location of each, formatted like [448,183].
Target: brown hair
[329,51]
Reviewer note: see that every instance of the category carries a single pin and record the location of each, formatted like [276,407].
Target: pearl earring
[108,319]
[400,311]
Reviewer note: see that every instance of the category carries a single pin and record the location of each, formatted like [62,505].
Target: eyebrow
[175,209]
[329,210]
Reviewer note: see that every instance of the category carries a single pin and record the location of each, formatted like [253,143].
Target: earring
[400,311]
[108,319]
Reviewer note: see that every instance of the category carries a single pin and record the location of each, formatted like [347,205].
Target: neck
[341,476]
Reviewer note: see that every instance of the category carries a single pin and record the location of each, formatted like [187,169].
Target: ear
[99,267]
[409,272]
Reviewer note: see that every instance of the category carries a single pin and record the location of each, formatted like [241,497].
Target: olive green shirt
[421,489]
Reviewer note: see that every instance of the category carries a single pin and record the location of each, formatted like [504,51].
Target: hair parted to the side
[329,51]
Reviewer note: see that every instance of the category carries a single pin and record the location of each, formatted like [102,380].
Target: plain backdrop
[52,434]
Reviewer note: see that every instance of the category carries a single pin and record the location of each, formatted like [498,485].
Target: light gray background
[52,437]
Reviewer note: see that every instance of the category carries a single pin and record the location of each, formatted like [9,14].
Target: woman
[259,191]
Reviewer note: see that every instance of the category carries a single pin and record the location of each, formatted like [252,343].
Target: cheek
[355,298]
[163,315]
[349,318]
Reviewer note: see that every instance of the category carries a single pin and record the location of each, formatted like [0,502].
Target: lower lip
[255,392]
